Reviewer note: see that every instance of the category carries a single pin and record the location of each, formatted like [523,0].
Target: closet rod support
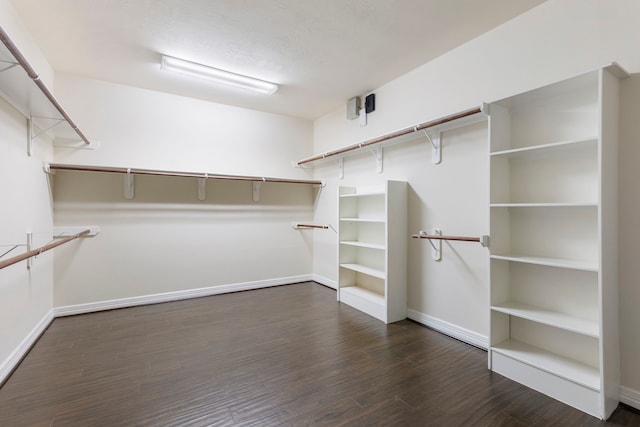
[256,189]
[9,64]
[202,187]
[129,185]
[29,247]
[436,146]
[377,155]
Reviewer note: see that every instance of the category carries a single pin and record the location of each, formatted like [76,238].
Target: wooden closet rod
[483,240]
[108,169]
[11,46]
[40,250]
[438,237]
[392,135]
[323,227]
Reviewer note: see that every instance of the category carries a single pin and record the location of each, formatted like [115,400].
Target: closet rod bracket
[256,189]
[129,185]
[436,247]
[202,187]
[378,156]
[29,247]
[31,131]
[7,65]
[436,145]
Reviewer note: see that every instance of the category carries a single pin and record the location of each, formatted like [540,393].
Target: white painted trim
[23,348]
[70,310]
[454,331]
[324,281]
[630,397]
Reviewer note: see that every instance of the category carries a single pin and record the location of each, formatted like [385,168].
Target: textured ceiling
[320,52]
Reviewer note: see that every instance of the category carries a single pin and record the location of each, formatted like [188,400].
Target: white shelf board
[550,261]
[365,270]
[546,147]
[548,317]
[559,366]
[366,294]
[363,194]
[546,205]
[362,220]
[363,244]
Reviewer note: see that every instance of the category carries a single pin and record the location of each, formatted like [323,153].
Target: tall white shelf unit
[372,249]
[554,294]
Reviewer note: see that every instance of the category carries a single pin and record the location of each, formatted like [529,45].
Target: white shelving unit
[372,249]
[554,297]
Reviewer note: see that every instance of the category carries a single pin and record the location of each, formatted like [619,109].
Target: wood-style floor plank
[288,355]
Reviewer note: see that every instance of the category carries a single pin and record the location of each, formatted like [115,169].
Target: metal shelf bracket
[436,247]
[7,65]
[202,187]
[256,190]
[436,146]
[32,134]
[377,154]
[129,185]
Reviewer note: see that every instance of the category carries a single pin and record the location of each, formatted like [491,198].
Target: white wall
[557,40]
[25,295]
[165,239]
[145,129]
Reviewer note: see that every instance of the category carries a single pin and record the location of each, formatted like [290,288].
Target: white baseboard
[324,281]
[70,310]
[23,348]
[630,397]
[462,334]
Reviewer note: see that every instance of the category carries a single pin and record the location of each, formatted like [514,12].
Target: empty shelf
[364,194]
[550,261]
[364,269]
[546,205]
[363,293]
[362,220]
[547,147]
[363,244]
[559,366]
[548,317]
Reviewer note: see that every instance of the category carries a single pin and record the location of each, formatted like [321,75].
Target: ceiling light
[220,76]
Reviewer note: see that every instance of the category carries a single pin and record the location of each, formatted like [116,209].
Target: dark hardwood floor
[288,355]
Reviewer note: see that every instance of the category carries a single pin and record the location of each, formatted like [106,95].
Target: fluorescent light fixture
[219,76]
